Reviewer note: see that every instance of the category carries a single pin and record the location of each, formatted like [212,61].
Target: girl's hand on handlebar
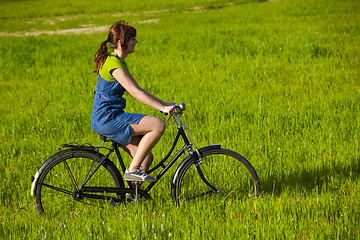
[170,109]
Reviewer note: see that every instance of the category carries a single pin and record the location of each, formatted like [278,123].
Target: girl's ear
[119,44]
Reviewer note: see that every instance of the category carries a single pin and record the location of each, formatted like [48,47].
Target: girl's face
[131,45]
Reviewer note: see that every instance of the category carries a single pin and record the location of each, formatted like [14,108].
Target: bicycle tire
[60,179]
[229,172]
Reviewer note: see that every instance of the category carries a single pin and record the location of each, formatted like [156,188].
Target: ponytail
[101,56]
[120,31]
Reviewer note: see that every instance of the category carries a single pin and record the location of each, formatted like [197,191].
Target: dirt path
[87,30]
[90,30]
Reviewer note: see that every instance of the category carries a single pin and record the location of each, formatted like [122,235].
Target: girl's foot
[138,175]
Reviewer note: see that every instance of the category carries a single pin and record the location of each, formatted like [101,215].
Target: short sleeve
[110,64]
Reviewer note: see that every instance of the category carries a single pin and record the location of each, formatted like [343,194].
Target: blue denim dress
[108,117]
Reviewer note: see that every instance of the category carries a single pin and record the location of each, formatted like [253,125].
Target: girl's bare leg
[132,148]
[151,129]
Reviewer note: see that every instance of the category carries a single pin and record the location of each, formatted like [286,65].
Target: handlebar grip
[180,107]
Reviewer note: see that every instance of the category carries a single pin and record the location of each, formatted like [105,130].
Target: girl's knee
[150,124]
[160,125]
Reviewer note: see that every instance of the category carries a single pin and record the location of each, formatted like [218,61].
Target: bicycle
[80,174]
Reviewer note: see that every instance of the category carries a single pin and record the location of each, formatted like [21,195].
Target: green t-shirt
[110,64]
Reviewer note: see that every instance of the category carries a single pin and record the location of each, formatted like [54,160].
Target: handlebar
[181,107]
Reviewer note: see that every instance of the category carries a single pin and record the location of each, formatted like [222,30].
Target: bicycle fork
[198,162]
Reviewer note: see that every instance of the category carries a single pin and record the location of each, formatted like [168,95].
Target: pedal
[130,196]
[137,186]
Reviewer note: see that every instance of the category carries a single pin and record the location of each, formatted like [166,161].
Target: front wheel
[222,173]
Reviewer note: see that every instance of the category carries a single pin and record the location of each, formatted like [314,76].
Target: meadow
[277,81]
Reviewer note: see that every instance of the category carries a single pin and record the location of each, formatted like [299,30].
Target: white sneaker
[138,175]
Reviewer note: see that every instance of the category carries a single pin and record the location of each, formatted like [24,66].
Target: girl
[137,133]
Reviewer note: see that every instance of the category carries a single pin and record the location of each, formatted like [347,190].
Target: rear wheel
[58,185]
[227,174]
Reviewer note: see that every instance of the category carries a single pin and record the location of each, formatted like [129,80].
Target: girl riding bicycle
[137,133]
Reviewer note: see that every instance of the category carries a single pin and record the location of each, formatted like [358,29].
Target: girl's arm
[130,84]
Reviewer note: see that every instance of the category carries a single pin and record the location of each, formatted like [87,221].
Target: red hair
[119,31]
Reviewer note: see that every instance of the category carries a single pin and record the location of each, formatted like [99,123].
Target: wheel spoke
[57,189]
[76,186]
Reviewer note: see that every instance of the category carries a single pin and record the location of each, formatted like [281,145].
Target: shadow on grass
[310,179]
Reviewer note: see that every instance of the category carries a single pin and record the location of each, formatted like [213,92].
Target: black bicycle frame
[115,147]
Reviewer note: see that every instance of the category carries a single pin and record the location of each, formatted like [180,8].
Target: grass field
[276,81]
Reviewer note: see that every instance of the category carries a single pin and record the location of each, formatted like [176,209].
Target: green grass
[276,81]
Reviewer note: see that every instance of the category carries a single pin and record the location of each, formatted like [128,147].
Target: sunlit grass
[274,81]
